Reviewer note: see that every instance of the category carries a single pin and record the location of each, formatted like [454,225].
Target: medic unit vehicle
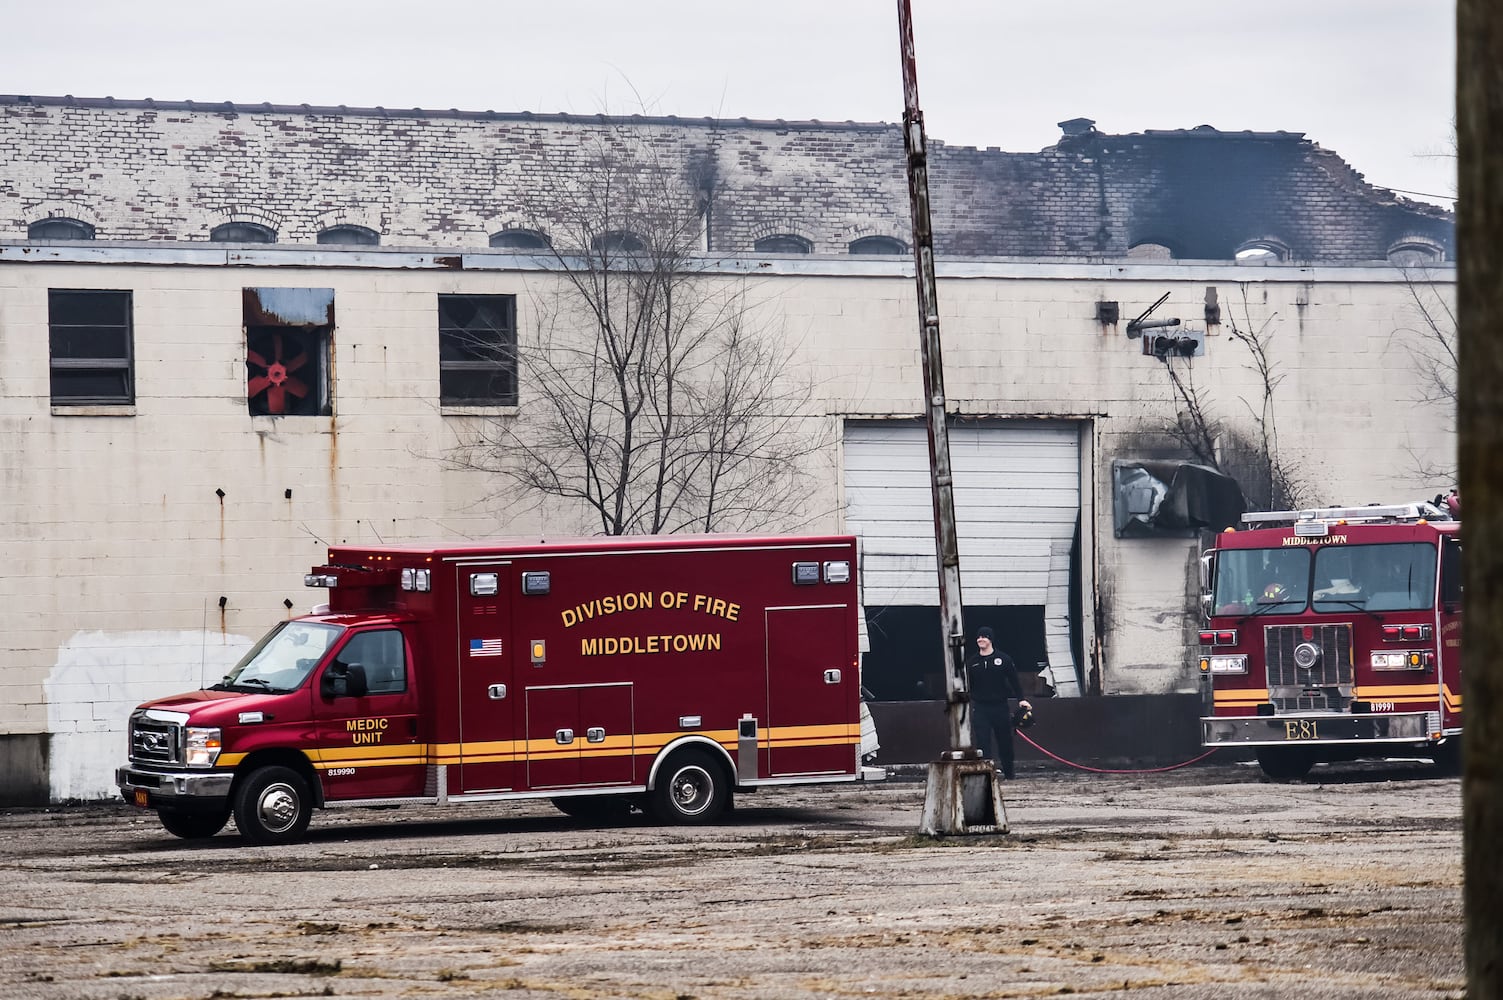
[665,672]
[1334,634]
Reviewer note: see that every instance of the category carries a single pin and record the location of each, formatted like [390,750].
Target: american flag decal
[485,647]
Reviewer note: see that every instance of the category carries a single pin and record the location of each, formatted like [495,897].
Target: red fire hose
[1113,770]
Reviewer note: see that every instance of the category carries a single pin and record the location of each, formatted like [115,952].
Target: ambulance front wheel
[193,825]
[692,788]
[273,806]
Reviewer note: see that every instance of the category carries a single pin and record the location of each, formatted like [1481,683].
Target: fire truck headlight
[203,746]
[1228,664]
[1398,661]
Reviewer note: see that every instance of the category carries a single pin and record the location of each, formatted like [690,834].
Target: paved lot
[1200,883]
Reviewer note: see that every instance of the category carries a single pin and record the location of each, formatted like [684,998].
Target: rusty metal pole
[962,794]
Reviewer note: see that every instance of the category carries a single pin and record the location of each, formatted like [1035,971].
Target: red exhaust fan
[277,379]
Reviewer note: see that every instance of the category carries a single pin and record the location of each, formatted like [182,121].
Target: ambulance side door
[368,743]
[488,699]
[812,690]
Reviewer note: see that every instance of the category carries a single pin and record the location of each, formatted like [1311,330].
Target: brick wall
[158,171]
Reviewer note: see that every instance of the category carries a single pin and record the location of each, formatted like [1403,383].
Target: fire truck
[660,672]
[1333,634]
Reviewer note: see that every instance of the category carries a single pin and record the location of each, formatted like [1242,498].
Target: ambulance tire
[193,825]
[597,810]
[273,806]
[692,788]
[1285,764]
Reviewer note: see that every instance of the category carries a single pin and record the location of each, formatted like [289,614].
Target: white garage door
[1017,497]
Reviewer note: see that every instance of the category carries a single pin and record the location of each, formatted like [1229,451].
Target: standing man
[993,678]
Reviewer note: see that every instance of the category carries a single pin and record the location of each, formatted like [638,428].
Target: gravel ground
[1207,882]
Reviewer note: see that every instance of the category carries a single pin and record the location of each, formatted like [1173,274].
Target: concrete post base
[961,797]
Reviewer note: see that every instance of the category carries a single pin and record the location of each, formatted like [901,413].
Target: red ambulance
[663,672]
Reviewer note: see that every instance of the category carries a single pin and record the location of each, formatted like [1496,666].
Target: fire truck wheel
[272,806]
[692,788]
[193,825]
[1447,757]
[1283,764]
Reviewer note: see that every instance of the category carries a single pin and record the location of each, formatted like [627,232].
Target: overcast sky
[1372,80]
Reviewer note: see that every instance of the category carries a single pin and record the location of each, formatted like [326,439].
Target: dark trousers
[991,728]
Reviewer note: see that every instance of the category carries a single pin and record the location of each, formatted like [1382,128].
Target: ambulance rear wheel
[272,806]
[193,825]
[692,788]
[603,810]
[1284,764]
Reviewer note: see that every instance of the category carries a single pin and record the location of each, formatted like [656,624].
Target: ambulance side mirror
[344,681]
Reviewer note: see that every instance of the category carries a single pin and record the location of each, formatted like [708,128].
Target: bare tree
[1249,451]
[649,398]
[1431,343]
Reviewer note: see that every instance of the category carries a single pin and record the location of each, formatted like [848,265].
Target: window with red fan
[287,337]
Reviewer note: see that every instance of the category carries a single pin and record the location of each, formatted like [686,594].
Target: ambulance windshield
[283,659]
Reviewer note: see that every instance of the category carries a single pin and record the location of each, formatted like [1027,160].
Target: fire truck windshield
[1397,577]
[283,659]
[1390,577]
[1262,581]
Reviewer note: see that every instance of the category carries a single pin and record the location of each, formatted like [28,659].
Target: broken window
[619,240]
[783,243]
[287,337]
[242,232]
[877,245]
[1415,253]
[1177,499]
[519,239]
[477,350]
[349,236]
[89,334]
[59,229]
[1261,252]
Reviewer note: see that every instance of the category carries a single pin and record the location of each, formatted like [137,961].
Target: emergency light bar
[320,580]
[420,580]
[1308,519]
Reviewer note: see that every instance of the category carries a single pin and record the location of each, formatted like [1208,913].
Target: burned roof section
[176,170]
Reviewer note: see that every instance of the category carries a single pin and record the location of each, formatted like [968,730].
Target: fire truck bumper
[1266,730]
[173,789]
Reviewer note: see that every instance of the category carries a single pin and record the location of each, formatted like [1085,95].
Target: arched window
[349,236]
[242,232]
[1149,251]
[520,239]
[1261,252]
[59,229]
[1415,252]
[877,245]
[783,243]
[619,240]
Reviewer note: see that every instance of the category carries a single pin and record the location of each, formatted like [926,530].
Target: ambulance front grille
[153,742]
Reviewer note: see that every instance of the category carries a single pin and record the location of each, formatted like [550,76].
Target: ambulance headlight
[1226,664]
[203,747]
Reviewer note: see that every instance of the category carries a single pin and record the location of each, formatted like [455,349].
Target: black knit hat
[985,632]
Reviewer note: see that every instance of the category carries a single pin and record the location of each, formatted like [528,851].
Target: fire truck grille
[153,742]
[1319,685]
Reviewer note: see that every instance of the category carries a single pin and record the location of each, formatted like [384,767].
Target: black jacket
[993,678]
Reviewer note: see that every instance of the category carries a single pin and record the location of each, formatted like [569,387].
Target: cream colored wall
[117,549]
